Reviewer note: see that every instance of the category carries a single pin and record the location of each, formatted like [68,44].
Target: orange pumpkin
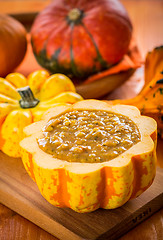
[13,44]
[80,38]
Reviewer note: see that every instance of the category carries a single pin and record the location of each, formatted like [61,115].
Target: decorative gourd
[19,107]
[79,38]
[150,99]
[84,186]
[154,64]
[13,44]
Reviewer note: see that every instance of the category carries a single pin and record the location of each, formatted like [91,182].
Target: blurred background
[145,15]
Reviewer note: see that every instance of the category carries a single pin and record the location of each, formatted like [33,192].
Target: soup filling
[88,136]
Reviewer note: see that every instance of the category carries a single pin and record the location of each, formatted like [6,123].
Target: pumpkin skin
[85,187]
[80,38]
[14,116]
[13,44]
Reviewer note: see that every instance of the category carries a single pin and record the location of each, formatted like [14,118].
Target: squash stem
[75,16]
[27,98]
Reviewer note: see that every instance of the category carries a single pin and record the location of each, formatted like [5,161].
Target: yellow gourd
[24,100]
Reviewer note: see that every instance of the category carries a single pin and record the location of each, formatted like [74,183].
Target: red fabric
[132,59]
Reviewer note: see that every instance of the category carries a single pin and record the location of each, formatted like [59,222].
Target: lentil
[89,136]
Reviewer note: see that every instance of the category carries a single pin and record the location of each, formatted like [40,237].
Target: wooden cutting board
[20,193]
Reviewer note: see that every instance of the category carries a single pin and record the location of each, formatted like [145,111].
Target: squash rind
[85,187]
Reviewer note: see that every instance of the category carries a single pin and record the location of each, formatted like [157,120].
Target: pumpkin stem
[75,16]
[27,98]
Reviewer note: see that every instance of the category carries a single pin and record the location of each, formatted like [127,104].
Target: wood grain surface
[20,193]
[147,18]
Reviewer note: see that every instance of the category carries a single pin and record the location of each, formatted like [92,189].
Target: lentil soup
[89,136]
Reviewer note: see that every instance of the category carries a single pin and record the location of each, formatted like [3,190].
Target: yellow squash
[85,187]
[24,100]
